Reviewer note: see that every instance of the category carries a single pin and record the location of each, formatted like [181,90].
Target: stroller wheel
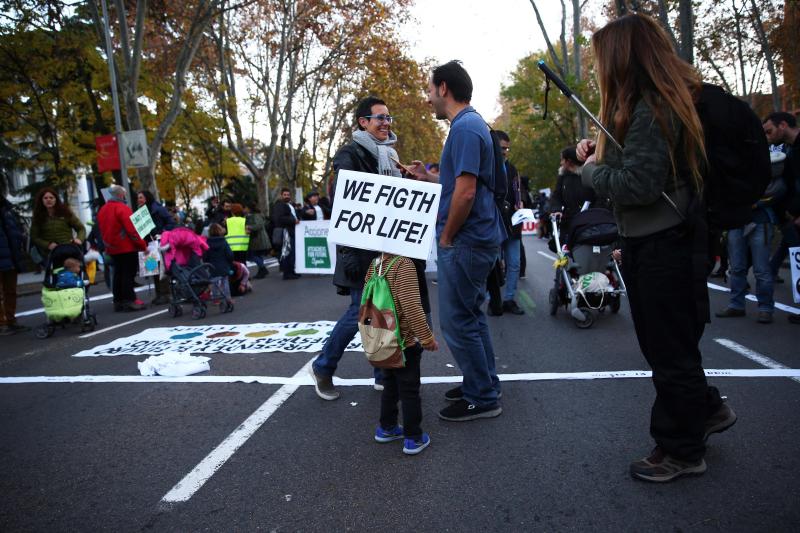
[175,310]
[225,307]
[554,301]
[88,325]
[198,312]
[44,331]
[587,322]
[615,304]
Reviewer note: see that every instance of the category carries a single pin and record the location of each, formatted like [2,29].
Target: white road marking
[753,355]
[104,296]
[752,298]
[195,479]
[115,326]
[268,263]
[299,381]
[545,254]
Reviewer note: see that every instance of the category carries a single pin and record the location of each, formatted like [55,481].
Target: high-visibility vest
[237,237]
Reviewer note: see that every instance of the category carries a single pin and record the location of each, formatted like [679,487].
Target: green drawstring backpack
[378,323]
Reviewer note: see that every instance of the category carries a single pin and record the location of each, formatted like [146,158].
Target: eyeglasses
[381,118]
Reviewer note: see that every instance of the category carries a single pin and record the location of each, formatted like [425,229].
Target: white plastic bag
[173,364]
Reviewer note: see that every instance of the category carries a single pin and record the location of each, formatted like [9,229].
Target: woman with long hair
[54,222]
[647,102]
[163,221]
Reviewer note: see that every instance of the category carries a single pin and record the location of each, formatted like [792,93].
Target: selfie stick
[569,94]
[550,75]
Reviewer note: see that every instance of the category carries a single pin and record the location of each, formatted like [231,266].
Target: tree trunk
[686,25]
[737,19]
[767,51]
[577,59]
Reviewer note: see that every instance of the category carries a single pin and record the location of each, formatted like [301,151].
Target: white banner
[794,265]
[314,253]
[134,147]
[305,337]
[384,213]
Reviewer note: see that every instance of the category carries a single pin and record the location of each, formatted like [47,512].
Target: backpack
[378,323]
[500,189]
[738,158]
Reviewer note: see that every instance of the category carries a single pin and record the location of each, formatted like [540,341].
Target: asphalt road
[103,456]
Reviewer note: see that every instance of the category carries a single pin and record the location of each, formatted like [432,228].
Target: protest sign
[150,261]
[384,213]
[794,265]
[307,337]
[314,254]
[134,148]
[142,221]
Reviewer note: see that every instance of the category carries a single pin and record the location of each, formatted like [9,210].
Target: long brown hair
[636,60]
[40,211]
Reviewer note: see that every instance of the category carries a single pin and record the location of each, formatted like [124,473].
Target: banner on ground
[134,148]
[314,254]
[305,337]
[142,221]
[794,265]
[384,213]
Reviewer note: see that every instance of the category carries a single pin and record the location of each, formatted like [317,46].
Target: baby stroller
[587,279]
[64,305]
[187,285]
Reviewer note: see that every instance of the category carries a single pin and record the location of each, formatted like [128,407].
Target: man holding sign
[370,151]
[469,231]
[122,242]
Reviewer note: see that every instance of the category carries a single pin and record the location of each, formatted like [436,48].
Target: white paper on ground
[174,364]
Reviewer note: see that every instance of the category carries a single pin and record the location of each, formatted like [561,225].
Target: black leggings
[403,384]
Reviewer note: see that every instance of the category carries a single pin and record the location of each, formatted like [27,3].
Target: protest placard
[142,221]
[314,254]
[150,261]
[384,213]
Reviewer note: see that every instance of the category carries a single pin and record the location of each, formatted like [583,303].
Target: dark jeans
[493,288]
[343,332]
[657,270]
[8,291]
[126,266]
[403,384]
[287,264]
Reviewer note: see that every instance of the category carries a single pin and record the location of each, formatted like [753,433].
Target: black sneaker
[455,394]
[660,467]
[723,419]
[512,307]
[462,411]
[494,312]
[323,385]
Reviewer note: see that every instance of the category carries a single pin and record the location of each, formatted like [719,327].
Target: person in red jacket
[122,243]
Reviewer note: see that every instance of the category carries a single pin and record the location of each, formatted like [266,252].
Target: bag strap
[379,264]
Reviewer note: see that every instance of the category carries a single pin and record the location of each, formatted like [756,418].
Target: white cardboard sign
[384,213]
[794,265]
[314,253]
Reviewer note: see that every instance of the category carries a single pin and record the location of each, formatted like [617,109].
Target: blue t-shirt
[468,150]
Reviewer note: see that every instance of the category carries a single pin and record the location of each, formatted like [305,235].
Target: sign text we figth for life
[385,213]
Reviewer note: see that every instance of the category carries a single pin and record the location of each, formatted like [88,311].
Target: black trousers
[658,273]
[126,266]
[493,284]
[403,384]
[287,264]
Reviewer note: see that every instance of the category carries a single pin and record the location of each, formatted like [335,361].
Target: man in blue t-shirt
[469,232]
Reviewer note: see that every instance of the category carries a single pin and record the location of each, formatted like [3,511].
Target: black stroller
[69,304]
[588,279]
[192,284]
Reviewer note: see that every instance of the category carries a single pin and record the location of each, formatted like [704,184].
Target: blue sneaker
[388,435]
[413,446]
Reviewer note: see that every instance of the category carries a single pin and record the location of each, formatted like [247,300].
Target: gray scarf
[381,150]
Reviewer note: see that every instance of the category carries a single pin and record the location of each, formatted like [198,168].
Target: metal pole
[117,117]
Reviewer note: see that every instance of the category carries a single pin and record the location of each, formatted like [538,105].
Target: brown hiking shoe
[660,467]
[720,421]
[323,385]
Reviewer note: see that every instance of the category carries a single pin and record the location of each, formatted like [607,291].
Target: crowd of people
[647,96]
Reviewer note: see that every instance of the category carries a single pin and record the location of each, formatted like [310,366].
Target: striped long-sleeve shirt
[402,278]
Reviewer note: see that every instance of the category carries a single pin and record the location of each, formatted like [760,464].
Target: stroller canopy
[594,227]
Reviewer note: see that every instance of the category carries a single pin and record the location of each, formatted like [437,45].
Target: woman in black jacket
[646,101]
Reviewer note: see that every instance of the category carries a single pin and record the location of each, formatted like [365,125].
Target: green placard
[317,252]
[142,221]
